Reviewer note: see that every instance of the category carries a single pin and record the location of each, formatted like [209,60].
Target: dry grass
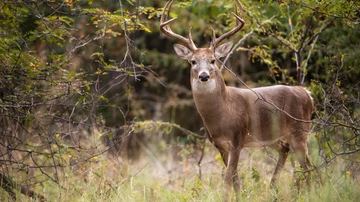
[157,176]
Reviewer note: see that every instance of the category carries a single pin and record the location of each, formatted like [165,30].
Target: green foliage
[79,77]
[255,174]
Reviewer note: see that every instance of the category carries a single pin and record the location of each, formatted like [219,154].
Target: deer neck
[209,96]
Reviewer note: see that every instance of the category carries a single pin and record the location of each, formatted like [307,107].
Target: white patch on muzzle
[199,86]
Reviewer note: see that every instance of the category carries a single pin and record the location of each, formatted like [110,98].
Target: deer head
[204,70]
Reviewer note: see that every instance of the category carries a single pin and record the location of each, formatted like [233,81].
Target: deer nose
[204,77]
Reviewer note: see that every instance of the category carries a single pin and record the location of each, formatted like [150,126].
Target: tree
[79,79]
[49,102]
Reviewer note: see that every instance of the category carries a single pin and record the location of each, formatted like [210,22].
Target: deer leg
[308,166]
[236,185]
[226,188]
[300,149]
[224,156]
[283,148]
[231,175]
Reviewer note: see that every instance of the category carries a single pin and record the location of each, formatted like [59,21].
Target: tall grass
[161,178]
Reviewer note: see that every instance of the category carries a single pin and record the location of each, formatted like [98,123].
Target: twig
[8,185]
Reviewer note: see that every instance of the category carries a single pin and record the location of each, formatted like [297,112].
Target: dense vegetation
[95,104]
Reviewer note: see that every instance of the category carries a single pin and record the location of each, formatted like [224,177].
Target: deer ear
[223,50]
[182,51]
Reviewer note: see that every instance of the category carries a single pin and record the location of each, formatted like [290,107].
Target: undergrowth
[149,180]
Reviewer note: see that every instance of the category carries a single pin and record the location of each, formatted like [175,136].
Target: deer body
[240,115]
[234,118]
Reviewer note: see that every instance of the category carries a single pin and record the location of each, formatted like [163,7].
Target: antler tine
[239,24]
[165,28]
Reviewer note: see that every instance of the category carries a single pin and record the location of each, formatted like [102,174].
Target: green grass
[166,179]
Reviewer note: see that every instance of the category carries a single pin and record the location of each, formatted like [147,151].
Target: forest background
[95,104]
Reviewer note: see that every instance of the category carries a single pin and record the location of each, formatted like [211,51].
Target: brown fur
[277,116]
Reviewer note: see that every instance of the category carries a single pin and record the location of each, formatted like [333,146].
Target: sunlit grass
[164,179]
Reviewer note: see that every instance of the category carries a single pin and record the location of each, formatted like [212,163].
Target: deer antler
[239,24]
[165,28]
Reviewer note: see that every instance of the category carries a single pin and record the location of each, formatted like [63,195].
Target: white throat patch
[203,87]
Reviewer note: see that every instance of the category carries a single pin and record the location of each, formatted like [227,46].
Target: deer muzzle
[204,77]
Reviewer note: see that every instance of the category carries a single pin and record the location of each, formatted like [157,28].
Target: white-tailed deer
[277,116]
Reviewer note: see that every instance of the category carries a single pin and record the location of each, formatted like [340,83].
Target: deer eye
[193,62]
[212,61]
